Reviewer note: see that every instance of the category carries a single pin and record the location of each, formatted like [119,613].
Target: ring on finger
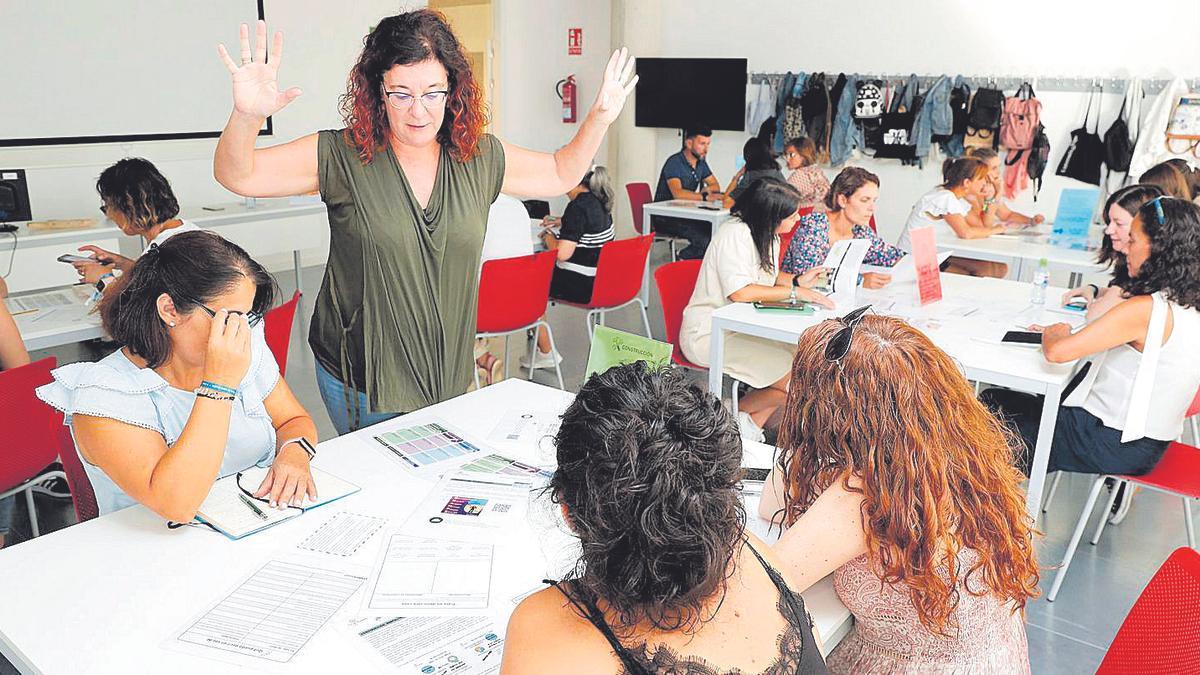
[246,61]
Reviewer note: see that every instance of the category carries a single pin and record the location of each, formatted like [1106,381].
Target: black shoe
[55,488]
[1120,507]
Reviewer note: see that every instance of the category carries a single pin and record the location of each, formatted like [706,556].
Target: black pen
[253,507]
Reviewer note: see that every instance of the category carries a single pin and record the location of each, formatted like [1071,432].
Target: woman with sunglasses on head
[1145,367]
[893,476]
[193,394]
[408,183]
[739,266]
[138,199]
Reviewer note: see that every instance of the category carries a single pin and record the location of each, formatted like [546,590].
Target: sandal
[491,366]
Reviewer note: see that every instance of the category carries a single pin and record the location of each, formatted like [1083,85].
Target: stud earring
[172,324]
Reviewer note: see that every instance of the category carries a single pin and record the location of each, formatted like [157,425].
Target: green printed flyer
[612,347]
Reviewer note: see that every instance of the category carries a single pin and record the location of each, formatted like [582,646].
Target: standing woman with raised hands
[407,183]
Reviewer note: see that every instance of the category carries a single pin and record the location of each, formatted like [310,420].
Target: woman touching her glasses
[895,478]
[193,394]
[407,183]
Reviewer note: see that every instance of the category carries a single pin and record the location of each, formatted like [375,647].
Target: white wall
[1036,38]
[531,56]
[322,40]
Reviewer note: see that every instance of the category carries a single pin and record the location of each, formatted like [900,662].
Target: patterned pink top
[889,638]
[812,184]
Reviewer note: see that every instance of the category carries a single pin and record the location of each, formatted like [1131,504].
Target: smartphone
[1022,337]
[1077,304]
[799,307]
[69,258]
[754,474]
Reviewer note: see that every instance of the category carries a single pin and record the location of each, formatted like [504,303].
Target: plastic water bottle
[1041,280]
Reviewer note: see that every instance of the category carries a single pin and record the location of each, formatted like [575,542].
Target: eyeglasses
[252,318]
[839,344]
[1158,210]
[264,500]
[430,101]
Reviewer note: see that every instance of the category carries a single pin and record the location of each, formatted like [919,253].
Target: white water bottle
[1041,280]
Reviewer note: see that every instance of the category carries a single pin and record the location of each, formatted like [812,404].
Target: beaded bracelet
[218,387]
[213,396]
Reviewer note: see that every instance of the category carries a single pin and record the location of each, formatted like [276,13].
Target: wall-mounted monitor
[679,93]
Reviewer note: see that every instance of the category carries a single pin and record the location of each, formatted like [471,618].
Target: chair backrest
[804,211]
[508,233]
[785,240]
[26,421]
[513,292]
[619,271]
[1161,634]
[82,494]
[1194,408]
[277,326]
[872,224]
[639,195]
[676,281]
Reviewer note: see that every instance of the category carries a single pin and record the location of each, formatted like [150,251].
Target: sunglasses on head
[839,344]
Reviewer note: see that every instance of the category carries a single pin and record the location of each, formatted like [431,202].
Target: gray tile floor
[1067,636]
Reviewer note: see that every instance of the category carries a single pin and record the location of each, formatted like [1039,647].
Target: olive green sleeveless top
[395,317]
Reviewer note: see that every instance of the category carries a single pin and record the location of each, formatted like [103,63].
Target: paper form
[343,534]
[47,300]
[429,576]
[470,507]
[467,645]
[525,427]
[271,615]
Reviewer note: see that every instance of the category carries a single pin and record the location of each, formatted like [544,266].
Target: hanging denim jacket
[793,85]
[953,146]
[933,117]
[846,134]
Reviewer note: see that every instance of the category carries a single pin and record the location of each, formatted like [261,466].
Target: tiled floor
[1067,636]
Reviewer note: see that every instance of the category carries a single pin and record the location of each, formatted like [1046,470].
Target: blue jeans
[6,513]
[333,393]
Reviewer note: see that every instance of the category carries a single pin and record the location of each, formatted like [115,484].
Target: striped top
[585,222]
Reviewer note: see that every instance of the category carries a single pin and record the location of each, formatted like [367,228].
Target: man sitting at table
[685,175]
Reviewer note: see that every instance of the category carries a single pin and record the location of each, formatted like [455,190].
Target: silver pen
[253,507]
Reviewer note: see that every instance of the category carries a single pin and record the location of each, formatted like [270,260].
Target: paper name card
[925,257]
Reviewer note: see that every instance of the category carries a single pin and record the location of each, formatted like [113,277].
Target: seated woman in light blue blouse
[194,393]
[851,203]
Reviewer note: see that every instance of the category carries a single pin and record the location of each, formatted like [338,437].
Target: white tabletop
[105,595]
[216,215]
[684,208]
[1031,244]
[55,325]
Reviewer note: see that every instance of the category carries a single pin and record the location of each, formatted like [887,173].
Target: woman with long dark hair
[740,266]
[407,183]
[760,163]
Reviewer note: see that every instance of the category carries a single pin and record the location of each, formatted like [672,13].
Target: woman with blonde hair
[894,477]
[991,209]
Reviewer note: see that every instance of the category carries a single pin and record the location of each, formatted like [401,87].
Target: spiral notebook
[230,511]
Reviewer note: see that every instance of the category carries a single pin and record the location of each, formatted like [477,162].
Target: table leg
[1041,451]
[645,294]
[716,358]
[1075,280]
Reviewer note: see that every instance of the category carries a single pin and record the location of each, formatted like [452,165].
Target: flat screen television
[679,93]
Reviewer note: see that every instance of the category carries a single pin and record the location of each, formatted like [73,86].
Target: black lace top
[798,653]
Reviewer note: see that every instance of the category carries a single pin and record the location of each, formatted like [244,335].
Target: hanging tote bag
[1018,125]
[1183,131]
[1085,154]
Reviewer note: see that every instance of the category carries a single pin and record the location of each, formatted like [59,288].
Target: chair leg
[1050,493]
[533,351]
[645,317]
[475,369]
[33,524]
[554,350]
[1187,522]
[507,358]
[674,255]
[1195,421]
[733,395]
[1075,537]
[1108,508]
[591,324]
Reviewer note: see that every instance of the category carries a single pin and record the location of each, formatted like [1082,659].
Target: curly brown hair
[404,39]
[938,471]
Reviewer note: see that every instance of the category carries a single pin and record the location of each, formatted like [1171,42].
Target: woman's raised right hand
[255,81]
[228,355]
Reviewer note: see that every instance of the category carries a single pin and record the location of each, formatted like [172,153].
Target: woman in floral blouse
[801,157]
[851,203]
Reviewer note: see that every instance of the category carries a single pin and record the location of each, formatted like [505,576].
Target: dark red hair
[401,40]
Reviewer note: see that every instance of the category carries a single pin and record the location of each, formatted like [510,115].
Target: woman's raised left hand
[619,81]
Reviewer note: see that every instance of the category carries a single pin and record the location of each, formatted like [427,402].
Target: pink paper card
[924,252]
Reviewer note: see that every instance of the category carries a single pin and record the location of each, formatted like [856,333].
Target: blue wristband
[218,387]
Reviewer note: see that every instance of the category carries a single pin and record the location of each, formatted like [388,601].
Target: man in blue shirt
[685,175]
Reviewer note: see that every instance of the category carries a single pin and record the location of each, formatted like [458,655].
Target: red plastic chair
[82,495]
[676,281]
[513,294]
[618,280]
[640,195]
[30,444]
[277,325]
[1161,633]
[872,224]
[1177,473]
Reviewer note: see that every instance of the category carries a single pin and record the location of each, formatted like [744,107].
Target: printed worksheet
[343,534]
[428,645]
[429,577]
[271,615]
[525,428]
[470,506]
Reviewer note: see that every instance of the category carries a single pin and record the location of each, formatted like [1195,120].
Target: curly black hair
[1130,198]
[1173,266]
[648,468]
[136,188]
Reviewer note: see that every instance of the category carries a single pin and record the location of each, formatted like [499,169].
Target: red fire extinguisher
[566,91]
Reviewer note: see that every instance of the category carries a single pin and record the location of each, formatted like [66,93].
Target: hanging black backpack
[960,99]
[1039,157]
[986,109]
[1085,154]
[1118,147]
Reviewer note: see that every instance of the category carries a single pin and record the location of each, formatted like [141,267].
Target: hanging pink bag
[1018,124]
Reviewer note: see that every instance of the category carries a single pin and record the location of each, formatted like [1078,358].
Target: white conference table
[1022,249]
[108,594]
[967,323]
[63,318]
[678,208]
